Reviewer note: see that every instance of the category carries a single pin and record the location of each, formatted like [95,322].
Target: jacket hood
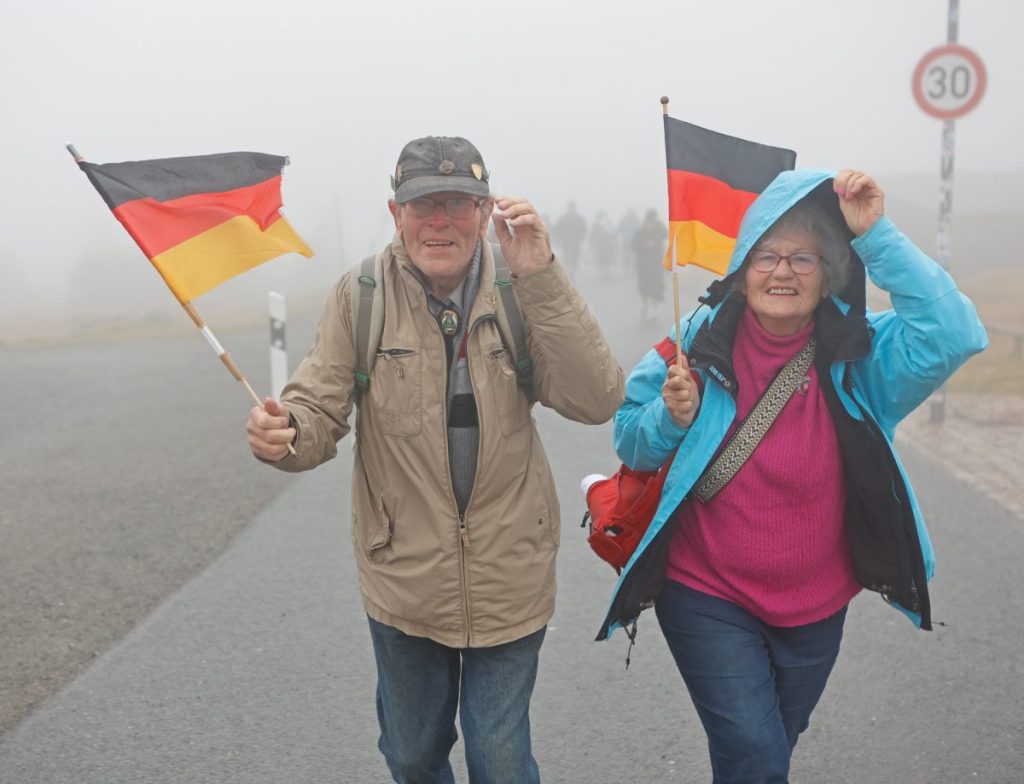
[783,192]
[842,328]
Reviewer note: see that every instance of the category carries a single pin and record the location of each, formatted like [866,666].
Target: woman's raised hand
[860,199]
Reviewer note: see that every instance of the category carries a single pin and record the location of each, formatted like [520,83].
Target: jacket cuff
[543,286]
[668,428]
[879,235]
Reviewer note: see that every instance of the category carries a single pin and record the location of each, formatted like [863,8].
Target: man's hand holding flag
[200,220]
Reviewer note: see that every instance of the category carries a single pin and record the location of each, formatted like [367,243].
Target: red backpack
[620,507]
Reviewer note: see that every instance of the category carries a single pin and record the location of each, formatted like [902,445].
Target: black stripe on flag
[745,166]
[164,179]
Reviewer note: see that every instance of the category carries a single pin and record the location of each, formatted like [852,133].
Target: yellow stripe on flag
[200,263]
[697,244]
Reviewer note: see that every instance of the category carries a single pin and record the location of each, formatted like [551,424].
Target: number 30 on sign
[949,81]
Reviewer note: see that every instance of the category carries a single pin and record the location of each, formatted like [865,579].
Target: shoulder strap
[748,435]
[513,318]
[368,313]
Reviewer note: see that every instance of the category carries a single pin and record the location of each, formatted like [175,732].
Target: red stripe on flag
[705,199]
[158,226]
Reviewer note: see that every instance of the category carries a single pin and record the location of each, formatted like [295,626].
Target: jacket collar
[485,303]
[842,333]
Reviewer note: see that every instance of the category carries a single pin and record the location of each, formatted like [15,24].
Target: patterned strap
[746,438]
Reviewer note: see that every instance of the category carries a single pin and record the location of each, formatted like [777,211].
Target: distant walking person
[601,243]
[455,521]
[649,242]
[625,229]
[568,233]
[785,497]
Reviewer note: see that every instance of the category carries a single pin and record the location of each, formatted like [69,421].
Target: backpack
[368,313]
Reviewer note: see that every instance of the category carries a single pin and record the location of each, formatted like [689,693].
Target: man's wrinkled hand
[522,234]
[269,430]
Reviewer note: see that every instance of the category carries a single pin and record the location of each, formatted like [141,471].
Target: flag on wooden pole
[201,219]
[712,179]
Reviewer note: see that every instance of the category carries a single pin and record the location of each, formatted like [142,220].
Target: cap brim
[424,186]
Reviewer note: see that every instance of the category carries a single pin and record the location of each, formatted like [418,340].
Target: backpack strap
[366,292]
[368,313]
[513,321]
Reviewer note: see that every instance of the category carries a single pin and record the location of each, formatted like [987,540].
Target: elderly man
[455,520]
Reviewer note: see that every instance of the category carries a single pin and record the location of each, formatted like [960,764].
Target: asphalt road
[175,612]
[123,472]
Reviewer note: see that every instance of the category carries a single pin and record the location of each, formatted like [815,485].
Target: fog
[561,98]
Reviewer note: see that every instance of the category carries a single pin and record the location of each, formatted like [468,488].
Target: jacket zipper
[463,530]
[463,526]
[464,578]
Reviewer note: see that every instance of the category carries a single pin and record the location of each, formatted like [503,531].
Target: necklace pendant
[449,321]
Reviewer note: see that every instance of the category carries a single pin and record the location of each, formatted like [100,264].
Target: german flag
[202,219]
[712,179]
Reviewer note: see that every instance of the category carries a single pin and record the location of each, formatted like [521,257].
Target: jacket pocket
[372,532]
[396,392]
[512,407]
[548,520]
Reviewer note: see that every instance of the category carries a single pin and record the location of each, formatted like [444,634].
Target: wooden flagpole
[225,358]
[675,269]
[218,349]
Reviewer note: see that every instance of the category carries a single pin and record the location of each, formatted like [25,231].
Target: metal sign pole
[948,83]
[944,240]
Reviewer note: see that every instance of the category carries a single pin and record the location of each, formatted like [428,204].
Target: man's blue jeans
[420,683]
[754,685]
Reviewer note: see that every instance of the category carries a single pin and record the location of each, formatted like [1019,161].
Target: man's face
[441,246]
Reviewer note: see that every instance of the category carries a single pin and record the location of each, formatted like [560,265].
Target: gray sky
[561,98]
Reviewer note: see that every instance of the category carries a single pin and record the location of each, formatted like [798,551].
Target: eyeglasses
[802,262]
[456,208]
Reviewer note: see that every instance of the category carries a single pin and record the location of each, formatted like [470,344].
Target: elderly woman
[751,570]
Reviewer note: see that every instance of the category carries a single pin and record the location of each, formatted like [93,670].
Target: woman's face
[783,300]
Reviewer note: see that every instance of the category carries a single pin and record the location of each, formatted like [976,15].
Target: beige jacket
[489,578]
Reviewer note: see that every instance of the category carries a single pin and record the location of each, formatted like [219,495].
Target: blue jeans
[420,683]
[753,685]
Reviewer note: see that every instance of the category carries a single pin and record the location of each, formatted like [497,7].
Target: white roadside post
[948,82]
[278,346]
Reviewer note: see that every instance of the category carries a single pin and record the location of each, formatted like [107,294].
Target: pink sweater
[772,540]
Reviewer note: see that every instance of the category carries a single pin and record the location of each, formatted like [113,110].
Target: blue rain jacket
[882,366]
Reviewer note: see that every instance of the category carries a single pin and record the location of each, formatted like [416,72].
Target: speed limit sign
[949,81]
